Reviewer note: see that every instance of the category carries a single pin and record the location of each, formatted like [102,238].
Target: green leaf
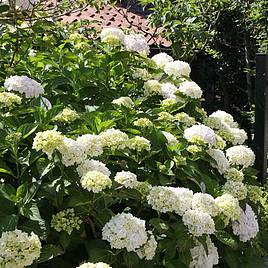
[232,258]
[169,246]
[8,223]
[8,191]
[78,199]
[21,190]
[158,139]
[7,207]
[34,156]
[251,171]
[26,192]
[47,169]
[31,211]
[186,258]
[35,226]
[103,216]
[227,239]
[203,241]
[99,254]
[252,260]
[159,225]
[4,168]
[27,129]
[65,239]
[131,259]
[49,252]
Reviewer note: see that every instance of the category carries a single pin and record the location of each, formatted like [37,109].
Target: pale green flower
[66,220]
[9,100]
[48,141]
[66,116]
[95,181]
[139,144]
[143,122]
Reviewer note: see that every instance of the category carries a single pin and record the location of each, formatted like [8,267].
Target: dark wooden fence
[261,115]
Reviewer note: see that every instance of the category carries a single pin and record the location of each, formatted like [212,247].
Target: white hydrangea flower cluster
[235,188]
[9,100]
[152,87]
[202,132]
[48,141]
[144,188]
[227,127]
[234,174]
[165,116]
[198,222]
[171,139]
[24,84]
[123,101]
[222,164]
[139,73]
[247,226]
[94,265]
[205,203]
[148,250]
[177,68]
[224,117]
[112,36]
[184,118]
[240,155]
[190,89]
[125,231]
[220,142]
[90,165]
[131,42]
[139,144]
[255,193]
[239,136]
[170,199]
[114,139]
[88,145]
[203,259]
[194,149]
[143,122]
[168,91]
[167,103]
[92,144]
[126,178]
[228,206]
[67,115]
[18,249]
[95,181]
[161,59]
[137,43]
[72,152]
[66,220]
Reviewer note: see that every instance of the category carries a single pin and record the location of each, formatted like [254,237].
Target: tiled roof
[111,16]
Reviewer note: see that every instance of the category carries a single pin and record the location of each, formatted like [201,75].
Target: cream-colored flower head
[125,231]
[18,249]
[48,141]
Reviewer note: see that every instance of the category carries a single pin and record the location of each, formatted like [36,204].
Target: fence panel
[261,115]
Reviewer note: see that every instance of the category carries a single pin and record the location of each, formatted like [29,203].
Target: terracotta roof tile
[121,18]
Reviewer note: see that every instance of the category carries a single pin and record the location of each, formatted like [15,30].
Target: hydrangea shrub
[107,159]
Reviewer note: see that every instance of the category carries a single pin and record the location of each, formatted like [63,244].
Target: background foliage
[220,38]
